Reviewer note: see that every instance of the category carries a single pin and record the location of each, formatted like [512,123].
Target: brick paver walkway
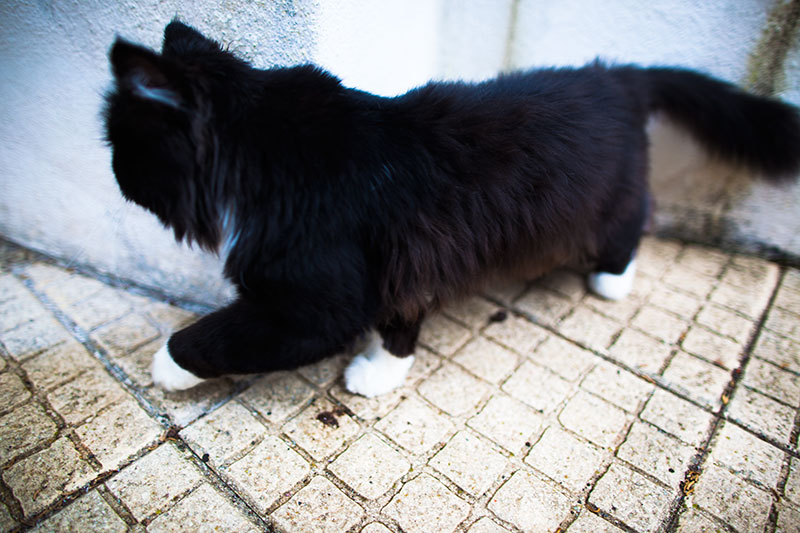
[534,408]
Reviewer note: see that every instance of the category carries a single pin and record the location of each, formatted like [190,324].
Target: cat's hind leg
[616,266]
[384,364]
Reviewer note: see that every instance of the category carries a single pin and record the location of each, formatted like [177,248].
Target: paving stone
[538,387]
[640,351]
[677,417]
[370,408]
[443,335]
[589,522]
[318,507]
[326,371]
[703,260]
[415,426]
[697,379]
[517,334]
[485,525]
[747,271]
[788,299]
[784,323]
[505,291]
[457,461]
[731,499]
[12,391]
[656,453]
[486,359]
[321,429]
[747,455]
[267,471]
[762,414]
[564,358]
[137,364]
[33,337]
[655,255]
[565,459]
[169,317]
[118,433]
[507,422]
[22,429]
[473,312]
[125,334]
[750,301]
[695,283]
[726,322]
[589,328]
[424,504]
[186,406]
[89,512]
[660,324]
[20,309]
[617,386]
[7,522]
[375,527]
[43,274]
[693,521]
[85,396]
[278,395]
[791,280]
[529,503]
[204,509]
[59,364]
[224,433]
[782,351]
[11,288]
[40,479]
[594,419]
[105,305]
[792,488]
[620,310]
[769,379]
[68,290]
[631,497]
[679,303]
[454,390]
[788,519]
[565,282]
[712,347]
[370,467]
[544,306]
[145,487]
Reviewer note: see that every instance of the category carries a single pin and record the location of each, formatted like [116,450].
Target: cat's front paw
[376,372]
[168,375]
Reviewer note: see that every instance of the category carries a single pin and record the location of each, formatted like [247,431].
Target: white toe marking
[376,371]
[613,286]
[168,375]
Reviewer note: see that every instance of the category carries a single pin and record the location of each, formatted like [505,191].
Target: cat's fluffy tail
[761,133]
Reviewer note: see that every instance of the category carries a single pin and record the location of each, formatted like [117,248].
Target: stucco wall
[57,193]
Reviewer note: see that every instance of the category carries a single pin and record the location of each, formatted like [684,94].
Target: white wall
[57,193]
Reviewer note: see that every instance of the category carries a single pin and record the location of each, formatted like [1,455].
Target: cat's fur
[340,211]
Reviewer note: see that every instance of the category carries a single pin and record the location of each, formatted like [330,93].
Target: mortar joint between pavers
[698,461]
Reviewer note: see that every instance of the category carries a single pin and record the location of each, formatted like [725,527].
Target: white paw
[613,286]
[376,371]
[168,375]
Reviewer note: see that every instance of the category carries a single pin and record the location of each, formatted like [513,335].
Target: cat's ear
[180,38]
[144,73]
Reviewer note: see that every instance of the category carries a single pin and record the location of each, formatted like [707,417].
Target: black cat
[340,212]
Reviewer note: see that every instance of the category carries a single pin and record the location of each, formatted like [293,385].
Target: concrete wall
[57,193]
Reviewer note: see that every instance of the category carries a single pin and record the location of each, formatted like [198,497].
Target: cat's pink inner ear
[141,71]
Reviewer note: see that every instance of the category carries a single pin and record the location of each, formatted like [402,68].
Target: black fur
[349,211]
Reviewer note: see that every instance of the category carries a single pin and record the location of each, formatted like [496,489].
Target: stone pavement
[533,408]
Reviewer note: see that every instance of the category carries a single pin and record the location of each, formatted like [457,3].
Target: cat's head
[160,123]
